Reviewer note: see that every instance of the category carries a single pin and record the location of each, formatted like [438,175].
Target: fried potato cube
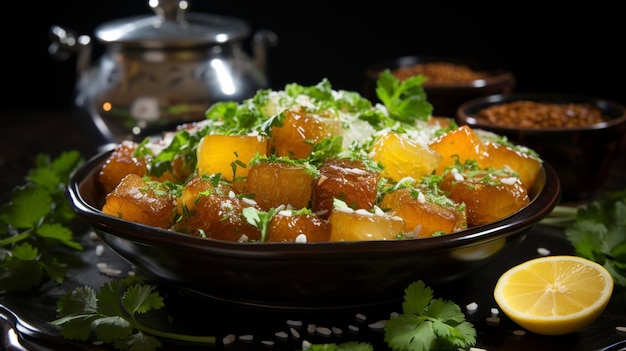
[347,180]
[402,157]
[350,225]
[210,208]
[280,183]
[300,131]
[423,215]
[487,197]
[290,226]
[138,200]
[229,155]
[460,144]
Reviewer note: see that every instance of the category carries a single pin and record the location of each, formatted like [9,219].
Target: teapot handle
[65,42]
[261,40]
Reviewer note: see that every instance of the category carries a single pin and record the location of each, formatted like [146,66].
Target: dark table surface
[24,318]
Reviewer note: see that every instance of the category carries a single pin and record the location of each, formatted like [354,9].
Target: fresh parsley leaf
[406,101]
[427,323]
[34,224]
[598,233]
[84,313]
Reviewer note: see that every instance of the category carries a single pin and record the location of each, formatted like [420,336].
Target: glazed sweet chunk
[119,164]
[425,214]
[488,195]
[402,157]
[228,155]
[347,224]
[299,131]
[279,183]
[311,164]
[210,208]
[143,201]
[294,226]
[347,180]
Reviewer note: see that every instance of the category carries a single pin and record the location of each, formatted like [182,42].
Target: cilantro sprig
[83,313]
[35,223]
[598,233]
[426,323]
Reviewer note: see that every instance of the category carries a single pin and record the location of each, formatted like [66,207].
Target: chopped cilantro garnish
[598,233]
[84,313]
[34,224]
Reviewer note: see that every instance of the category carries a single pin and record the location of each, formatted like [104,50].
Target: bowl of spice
[578,135]
[449,82]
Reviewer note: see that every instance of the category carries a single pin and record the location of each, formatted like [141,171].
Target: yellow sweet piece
[402,157]
[229,155]
[348,225]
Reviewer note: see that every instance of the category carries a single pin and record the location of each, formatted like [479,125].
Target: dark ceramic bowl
[311,275]
[445,98]
[581,155]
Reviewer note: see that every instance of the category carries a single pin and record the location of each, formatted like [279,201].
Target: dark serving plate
[311,275]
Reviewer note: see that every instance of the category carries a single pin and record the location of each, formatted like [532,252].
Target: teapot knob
[170,10]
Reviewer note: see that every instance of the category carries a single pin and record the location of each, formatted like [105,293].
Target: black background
[548,47]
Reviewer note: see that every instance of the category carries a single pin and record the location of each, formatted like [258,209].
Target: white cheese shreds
[306,344]
[247,337]
[473,306]
[378,325]
[621,329]
[323,331]
[281,335]
[267,342]
[295,333]
[509,180]
[99,250]
[494,311]
[493,320]
[476,349]
[360,317]
[293,323]
[228,339]
[519,332]
[353,328]
[311,328]
[337,331]
[543,251]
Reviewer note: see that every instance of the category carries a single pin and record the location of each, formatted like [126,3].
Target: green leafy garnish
[405,100]
[427,323]
[83,313]
[35,223]
[598,233]
[424,324]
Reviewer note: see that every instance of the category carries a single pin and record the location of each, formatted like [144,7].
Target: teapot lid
[172,27]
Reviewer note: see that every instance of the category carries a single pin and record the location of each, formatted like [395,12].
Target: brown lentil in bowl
[440,73]
[533,114]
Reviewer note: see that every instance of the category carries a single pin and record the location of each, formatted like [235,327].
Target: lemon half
[554,295]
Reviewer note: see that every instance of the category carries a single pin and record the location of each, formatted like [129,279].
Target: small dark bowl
[446,98]
[311,275]
[581,155]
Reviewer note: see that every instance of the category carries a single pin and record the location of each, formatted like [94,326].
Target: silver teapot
[163,70]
